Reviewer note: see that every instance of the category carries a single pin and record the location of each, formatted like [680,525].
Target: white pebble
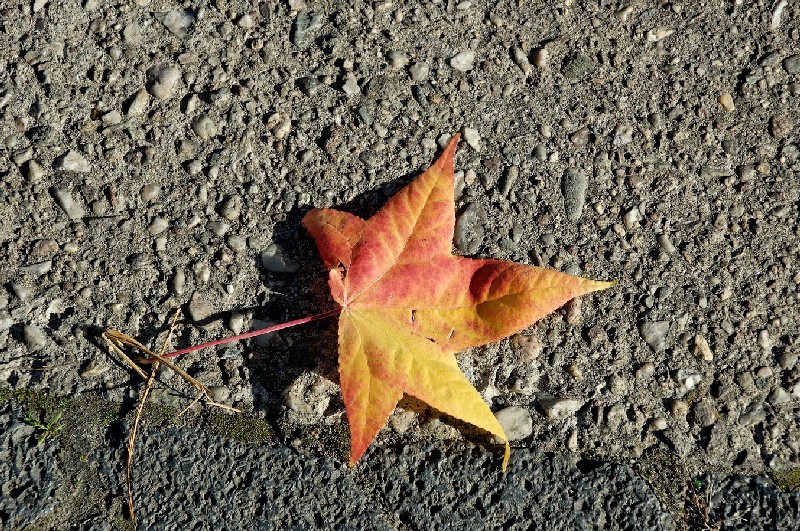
[35,339]
[178,21]
[516,422]
[139,103]
[73,161]
[463,61]
[179,282]
[559,408]
[157,226]
[351,87]
[419,72]
[472,137]
[163,81]
[659,33]
[204,127]
[72,208]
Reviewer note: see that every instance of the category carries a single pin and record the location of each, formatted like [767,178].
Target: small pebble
[787,360]
[726,100]
[236,322]
[237,243]
[139,103]
[573,188]
[521,60]
[780,126]
[177,21]
[112,117]
[645,370]
[218,228]
[792,64]
[779,396]
[469,230]
[199,308]
[666,244]
[631,219]
[397,59]
[304,24]
[528,348]
[764,340]
[463,61]
[659,33]
[37,269]
[204,127]
[22,292]
[93,369]
[309,85]
[72,161]
[559,408]
[34,337]
[163,81]
[157,226]
[701,348]
[658,423]
[541,57]
[219,393]
[351,87]
[34,171]
[274,260]
[472,137]
[580,137]
[655,334]
[419,72]
[704,413]
[282,129]
[516,422]
[149,192]
[679,408]
[72,208]
[179,282]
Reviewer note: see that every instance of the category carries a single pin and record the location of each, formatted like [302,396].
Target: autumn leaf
[408,304]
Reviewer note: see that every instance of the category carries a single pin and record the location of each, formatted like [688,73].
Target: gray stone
[655,334]
[469,230]
[38,269]
[559,408]
[35,338]
[204,127]
[162,81]
[704,413]
[199,308]
[516,422]
[72,161]
[463,61]
[304,24]
[573,187]
[72,208]
[472,137]
[779,396]
[138,104]
[792,64]
[177,21]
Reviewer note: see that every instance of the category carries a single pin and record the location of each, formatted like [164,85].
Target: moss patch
[238,426]
[787,479]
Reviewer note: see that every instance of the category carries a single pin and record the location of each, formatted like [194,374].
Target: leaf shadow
[312,346]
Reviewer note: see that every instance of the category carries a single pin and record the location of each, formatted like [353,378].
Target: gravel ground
[158,155]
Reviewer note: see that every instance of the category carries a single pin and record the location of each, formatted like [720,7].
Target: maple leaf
[408,304]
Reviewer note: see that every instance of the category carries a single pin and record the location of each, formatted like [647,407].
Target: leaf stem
[249,334]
